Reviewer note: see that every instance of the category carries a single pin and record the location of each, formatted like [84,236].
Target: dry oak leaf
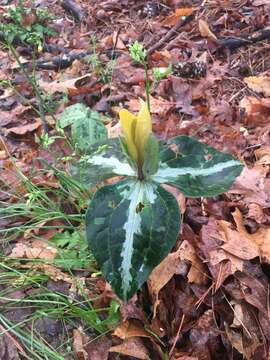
[130,329]
[178,13]
[263,155]
[24,129]
[260,84]
[244,245]
[205,30]
[64,85]
[253,186]
[220,263]
[256,213]
[54,273]
[257,111]
[162,274]
[132,347]
[246,340]
[37,249]
[158,106]
[78,344]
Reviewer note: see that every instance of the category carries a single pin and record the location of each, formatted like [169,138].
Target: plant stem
[140,173]
[41,103]
[147,86]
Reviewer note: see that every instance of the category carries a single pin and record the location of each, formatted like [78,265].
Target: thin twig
[177,335]
[182,21]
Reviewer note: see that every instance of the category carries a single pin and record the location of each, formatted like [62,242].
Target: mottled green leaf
[196,169]
[86,127]
[131,226]
[103,161]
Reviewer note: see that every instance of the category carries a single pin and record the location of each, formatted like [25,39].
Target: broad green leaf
[196,169]
[86,127]
[73,251]
[104,161]
[131,226]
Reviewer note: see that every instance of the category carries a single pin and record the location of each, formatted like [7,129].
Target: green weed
[27,25]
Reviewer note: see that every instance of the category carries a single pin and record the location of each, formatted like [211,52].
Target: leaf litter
[209,299]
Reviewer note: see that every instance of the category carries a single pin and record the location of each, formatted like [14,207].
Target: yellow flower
[136,131]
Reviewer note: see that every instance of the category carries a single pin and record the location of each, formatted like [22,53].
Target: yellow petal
[143,130]
[128,125]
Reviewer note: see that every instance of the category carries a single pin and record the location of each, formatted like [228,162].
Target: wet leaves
[209,299]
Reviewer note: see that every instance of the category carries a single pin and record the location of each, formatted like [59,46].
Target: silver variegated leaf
[103,161]
[196,169]
[131,227]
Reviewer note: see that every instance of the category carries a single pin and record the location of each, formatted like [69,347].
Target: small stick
[182,21]
[234,42]
[75,9]
[177,335]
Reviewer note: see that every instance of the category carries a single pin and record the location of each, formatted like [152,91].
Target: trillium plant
[133,223]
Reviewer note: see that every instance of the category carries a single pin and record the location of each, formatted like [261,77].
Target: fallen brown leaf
[171,20]
[236,242]
[162,274]
[36,249]
[78,344]
[205,30]
[252,185]
[263,155]
[260,84]
[257,111]
[130,329]
[132,347]
[220,263]
[252,245]
[158,106]
[24,129]
[64,85]
[98,349]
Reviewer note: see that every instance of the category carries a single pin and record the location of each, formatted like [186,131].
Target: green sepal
[196,169]
[131,227]
[151,157]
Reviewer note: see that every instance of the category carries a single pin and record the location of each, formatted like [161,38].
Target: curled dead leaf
[130,329]
[205,30]
[132,347]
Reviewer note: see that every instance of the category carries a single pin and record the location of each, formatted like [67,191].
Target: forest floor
[211,297]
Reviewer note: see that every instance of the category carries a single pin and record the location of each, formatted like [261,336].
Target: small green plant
[161,73]
[132,225]
[104,70]
[27,25]
[139,54]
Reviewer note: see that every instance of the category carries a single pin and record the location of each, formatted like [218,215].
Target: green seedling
[161,73]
